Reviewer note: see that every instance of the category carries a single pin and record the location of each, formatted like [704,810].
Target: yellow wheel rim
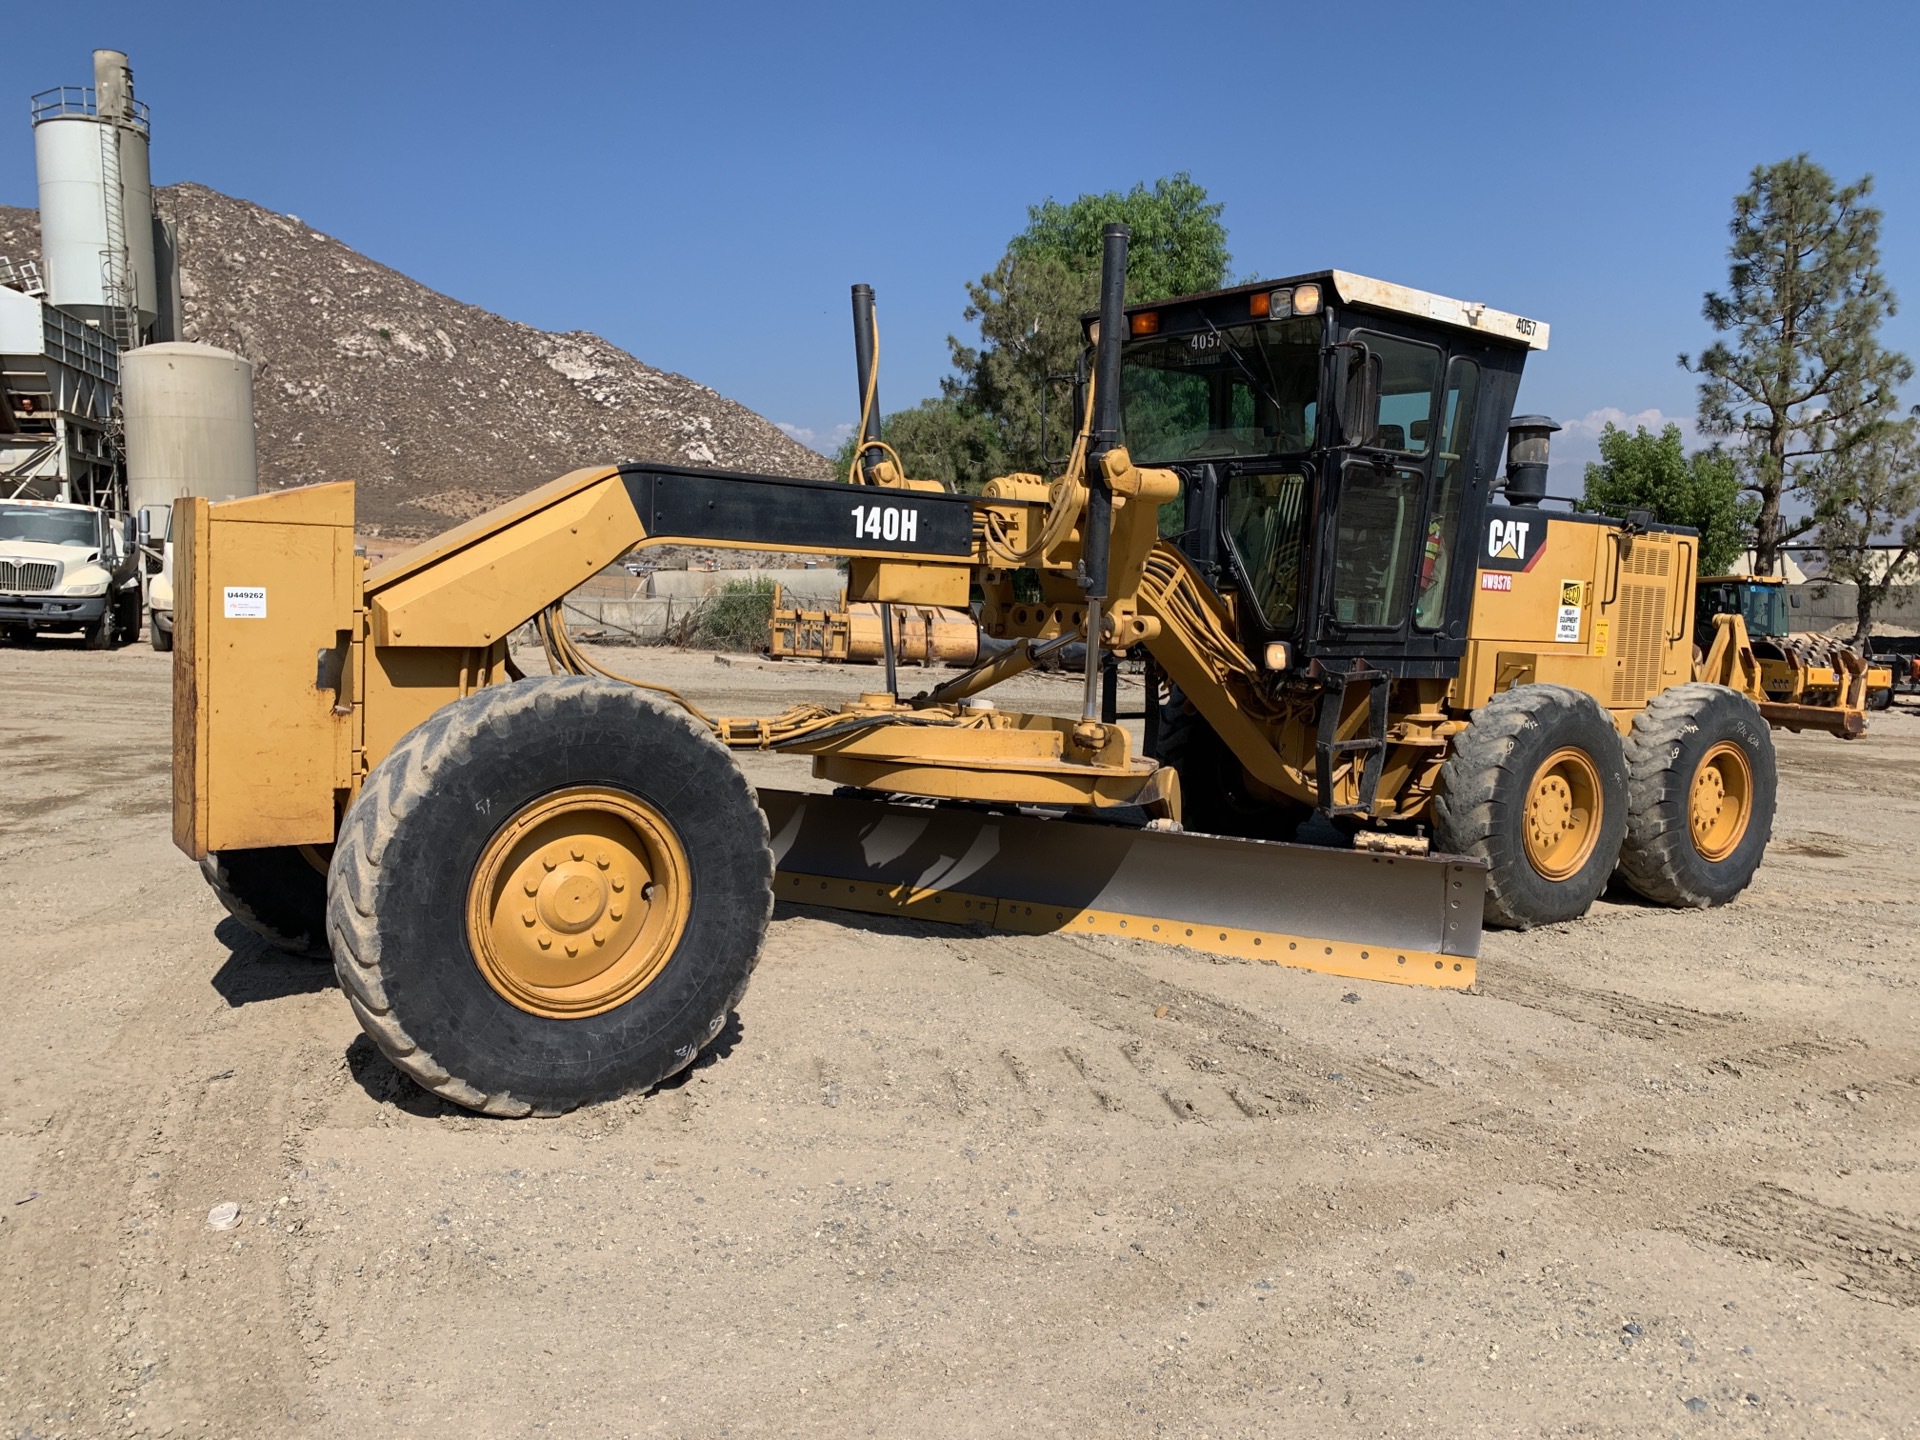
[1720,801]
[578,902]
[1562,817]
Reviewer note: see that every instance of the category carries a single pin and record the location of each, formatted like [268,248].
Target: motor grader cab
[537,890]
[1807,681]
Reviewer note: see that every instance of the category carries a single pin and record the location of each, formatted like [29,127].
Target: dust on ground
[1657,1176]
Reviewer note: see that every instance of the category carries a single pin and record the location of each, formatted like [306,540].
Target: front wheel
[99,635]
[1536,786]
[159,638]
[1215,796]
[279,893]
[1700,798]
[550,892]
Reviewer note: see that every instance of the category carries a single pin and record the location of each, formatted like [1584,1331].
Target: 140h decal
[886,522]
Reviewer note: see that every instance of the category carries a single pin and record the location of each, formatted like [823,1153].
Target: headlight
[86,591]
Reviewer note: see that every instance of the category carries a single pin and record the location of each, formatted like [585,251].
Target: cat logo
[1507,539]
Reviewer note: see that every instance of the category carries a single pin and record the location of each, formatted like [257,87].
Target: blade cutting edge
[1367,916]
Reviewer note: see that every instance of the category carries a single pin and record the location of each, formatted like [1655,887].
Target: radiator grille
[1646,558]
[17,576]
[1639,637]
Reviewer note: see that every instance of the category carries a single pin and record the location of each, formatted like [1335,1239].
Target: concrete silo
[189,416]
[96,200]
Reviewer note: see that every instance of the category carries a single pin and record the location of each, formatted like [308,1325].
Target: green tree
[1644,471]
[988,417]
[1867,514]
[1801,376]
[938,439]
[1028,310]
[1178,245]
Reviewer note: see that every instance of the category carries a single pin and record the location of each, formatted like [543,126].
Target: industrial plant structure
[91,419]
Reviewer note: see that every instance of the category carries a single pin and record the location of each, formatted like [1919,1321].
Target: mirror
[1359,396]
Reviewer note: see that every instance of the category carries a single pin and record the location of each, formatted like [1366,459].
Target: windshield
[1240,390]
[50,527]
[1766,610]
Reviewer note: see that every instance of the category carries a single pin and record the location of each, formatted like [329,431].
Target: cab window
[1266,520]
[1458,405]
[1409,373]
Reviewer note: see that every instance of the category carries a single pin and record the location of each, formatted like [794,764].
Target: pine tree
[1867,514]
[1801,376]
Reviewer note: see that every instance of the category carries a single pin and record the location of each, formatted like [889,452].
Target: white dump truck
[66,567]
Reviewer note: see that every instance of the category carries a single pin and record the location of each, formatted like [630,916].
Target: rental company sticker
[1567,625]
[246,602]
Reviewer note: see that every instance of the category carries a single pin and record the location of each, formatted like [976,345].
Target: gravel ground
[1655,1176]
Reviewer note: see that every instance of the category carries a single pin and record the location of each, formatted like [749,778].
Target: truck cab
[66,567]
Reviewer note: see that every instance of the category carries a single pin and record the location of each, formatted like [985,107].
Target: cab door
[1376,526]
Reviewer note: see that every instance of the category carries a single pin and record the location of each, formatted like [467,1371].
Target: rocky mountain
[438,409]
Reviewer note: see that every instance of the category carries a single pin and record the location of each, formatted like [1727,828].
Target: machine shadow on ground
[254,970]
[386,1086]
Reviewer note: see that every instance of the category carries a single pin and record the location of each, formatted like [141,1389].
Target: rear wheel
[1214,794]
[1881,699]
[1536,786]
[1701,796]
[550,892]
[280,894]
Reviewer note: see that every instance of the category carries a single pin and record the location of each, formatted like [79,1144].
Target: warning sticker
[1600,637]
[1496,580]
[1566,626]
[246,602]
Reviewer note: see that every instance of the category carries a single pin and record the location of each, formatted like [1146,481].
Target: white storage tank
[96,194]
[189,413]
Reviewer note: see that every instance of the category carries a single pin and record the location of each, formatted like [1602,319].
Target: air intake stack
[1529,447]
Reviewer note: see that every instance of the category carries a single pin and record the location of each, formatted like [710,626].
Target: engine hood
[42,550]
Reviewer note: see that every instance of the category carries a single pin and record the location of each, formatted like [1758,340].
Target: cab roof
[1364,293]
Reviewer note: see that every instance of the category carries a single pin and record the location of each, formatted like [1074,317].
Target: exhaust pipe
[863,361]
[1105,435]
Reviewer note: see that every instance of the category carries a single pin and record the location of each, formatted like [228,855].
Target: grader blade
[1412,920]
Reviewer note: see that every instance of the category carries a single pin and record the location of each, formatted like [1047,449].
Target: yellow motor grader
[538,890]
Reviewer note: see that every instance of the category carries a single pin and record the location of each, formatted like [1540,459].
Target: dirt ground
[1658,1175]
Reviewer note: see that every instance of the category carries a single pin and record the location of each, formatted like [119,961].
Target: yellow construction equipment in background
[537,891]
[1802,681]
[857,633]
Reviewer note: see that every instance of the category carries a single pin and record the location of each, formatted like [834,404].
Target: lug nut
[533,887]
[578,853]
[616,912]
[528,916]
[619,882]
[601,860]
[572,949]
[546,941]
[548,861]
[599,937]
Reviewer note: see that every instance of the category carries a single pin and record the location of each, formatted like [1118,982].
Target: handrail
[71,100]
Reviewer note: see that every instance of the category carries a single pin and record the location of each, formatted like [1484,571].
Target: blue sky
[701,183]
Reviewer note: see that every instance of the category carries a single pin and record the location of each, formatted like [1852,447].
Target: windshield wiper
[1239,359]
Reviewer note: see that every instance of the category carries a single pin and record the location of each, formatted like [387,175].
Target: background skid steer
[541,891]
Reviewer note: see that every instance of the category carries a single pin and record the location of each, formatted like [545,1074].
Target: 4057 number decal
[899,523]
